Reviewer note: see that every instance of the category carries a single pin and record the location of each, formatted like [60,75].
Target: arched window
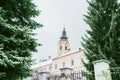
[63,64]
[65,47]
[60,47]
[72,62]
[56,66]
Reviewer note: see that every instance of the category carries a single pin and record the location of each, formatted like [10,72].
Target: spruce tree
[16,38]
[103,39]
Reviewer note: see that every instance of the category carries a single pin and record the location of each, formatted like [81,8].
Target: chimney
[49,57]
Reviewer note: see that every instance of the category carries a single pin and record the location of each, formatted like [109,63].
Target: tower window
[65,47]
[60,47]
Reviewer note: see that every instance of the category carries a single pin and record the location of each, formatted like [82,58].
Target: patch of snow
[42,64]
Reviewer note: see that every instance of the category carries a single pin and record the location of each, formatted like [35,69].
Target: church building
[65,58]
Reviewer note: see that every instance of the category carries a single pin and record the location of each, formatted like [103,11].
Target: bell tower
[63,45]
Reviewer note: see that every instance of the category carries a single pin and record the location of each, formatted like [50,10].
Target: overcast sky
[55,15]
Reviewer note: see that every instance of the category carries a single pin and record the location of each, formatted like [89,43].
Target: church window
[45,69]
[72,62]
[63,64]
[65,47]
[60,47]
[36,71]
[56,66]
[50,67]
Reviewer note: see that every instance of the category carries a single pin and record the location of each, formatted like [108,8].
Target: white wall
[76,56]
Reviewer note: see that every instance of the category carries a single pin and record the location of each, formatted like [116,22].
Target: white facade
[65,59]
[43,66]
[71,60]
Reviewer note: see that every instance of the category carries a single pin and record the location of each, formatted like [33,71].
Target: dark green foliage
[103,38]
[16,38]
[22,11]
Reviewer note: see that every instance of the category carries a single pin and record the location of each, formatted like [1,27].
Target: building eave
[67,54]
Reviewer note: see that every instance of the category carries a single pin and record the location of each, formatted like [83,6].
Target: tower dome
[64,34]
[63,45]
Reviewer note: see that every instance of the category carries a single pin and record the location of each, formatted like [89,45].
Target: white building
[65,59]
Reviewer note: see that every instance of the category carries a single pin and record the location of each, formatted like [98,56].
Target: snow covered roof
[42,64]
[69,53]
[50,61]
